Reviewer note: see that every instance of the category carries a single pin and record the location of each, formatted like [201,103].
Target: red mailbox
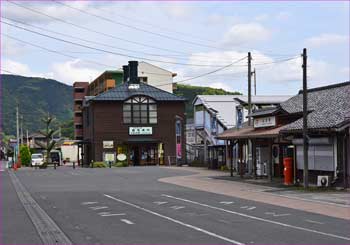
[288,170]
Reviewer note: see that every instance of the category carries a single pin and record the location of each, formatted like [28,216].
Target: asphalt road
[129,206]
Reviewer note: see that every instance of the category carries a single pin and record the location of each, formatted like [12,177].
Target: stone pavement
[334,204]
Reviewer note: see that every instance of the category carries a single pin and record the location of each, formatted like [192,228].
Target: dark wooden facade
[103,121]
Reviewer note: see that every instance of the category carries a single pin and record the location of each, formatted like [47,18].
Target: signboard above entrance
[140,131]
[264,122]
[108,144]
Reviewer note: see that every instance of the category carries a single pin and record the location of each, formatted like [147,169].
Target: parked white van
[37,159]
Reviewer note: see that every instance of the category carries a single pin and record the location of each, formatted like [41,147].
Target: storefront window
[140,110]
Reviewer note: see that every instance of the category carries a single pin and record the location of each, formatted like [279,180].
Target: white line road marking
[98,207]
[226,203]
[103,213]
[260,219]
[177,207]
[251,208]
[276,215]
[107,215]
[160,203]
[175,221]
[315,222]
[248,207]
[88,203]
[127,221]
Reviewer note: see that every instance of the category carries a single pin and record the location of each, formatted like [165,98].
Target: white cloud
[74,70]
[58,11]
[17,68]
[246,33]
[327,39]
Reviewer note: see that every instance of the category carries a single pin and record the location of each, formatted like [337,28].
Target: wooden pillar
[254,157]
[270,160]
[231,157]
[241,159]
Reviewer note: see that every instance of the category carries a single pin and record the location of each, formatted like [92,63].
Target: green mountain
[190,92]
[38,96]
[35,97]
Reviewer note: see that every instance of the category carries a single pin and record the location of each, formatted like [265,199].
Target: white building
[156,76]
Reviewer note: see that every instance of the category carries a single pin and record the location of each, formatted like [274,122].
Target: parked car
[37,159]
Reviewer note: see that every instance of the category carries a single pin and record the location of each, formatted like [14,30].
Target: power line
[205,74]
[105,51]
[136,28]
[94,31]
[54,51]
[95,42]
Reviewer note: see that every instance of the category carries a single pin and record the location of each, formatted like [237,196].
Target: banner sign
[108,144]
[140,131]
[264,122]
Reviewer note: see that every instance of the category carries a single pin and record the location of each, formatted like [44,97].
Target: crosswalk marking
[88,203]
[98,207]
[177,207]
[226,203]
[160,203]
[276,215]
[127,221]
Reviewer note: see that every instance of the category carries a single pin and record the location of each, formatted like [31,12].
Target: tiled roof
[225,105]
[122,92]
[328,107]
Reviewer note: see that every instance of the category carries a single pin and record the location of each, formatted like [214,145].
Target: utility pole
[249,88]
[305,137]
[27,138]
[254,72]
[21,129]
[17,132]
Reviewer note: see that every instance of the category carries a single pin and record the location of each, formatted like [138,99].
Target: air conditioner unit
[322,181]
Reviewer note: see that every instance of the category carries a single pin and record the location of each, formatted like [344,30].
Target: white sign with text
[264,122]
[140,131]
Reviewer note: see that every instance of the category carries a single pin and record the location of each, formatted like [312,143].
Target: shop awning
[249,133]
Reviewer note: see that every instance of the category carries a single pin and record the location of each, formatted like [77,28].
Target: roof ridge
[331,86]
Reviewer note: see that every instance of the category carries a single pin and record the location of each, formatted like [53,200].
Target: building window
[140,110]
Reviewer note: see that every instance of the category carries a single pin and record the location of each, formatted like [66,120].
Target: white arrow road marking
[98,207]
[127,221]
[276,215]
[177,207]
[160,203]
[226,203]
[107,215]
[258,218]
[315,222]
[175,221]
[88,203]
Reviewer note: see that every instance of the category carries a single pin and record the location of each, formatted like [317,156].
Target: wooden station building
[135,121]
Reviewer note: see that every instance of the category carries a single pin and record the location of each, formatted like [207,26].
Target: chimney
[125,74]
[133,78]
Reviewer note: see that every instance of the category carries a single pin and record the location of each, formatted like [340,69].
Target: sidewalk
[334,204]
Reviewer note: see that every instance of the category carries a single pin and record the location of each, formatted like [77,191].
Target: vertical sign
[178,139]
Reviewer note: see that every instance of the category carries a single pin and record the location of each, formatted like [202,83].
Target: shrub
[224,168]
[196,163]
[120,164]
[99,165]
[25,155]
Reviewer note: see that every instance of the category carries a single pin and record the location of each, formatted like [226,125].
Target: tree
[25,155]
[48,134]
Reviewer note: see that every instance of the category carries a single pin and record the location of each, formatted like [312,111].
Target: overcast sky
[188,38]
